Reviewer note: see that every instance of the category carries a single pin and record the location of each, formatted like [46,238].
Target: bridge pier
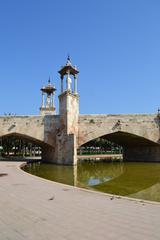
[142,154]
[48,154]
[66,151]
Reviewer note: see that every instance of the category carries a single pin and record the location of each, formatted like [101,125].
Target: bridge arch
[25,137]
[119,137]
[135,147]
[47,149]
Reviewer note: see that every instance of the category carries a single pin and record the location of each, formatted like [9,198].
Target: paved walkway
[35,209]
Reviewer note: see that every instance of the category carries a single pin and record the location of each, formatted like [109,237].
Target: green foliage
[99,146]
[13,145]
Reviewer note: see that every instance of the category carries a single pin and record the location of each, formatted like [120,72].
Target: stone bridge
[138,134]
[60,135]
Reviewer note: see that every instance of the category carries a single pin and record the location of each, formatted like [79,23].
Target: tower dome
[48,93]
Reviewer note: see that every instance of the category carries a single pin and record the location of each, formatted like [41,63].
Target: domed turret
[69,71]
[48,93]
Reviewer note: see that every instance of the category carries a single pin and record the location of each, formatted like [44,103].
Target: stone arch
[25,137]
[118,136]
[124,139]
[47,149]
[94,126]
[135,147]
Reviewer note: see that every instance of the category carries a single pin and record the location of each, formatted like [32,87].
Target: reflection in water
[140,180]
[93,173]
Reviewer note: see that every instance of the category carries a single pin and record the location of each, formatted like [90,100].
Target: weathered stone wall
[93,126]
[37,128]
[69,112]
[66,150]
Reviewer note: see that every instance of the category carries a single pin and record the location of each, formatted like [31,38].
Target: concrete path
[35,209]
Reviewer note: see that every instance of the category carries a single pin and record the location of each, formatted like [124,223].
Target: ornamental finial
[49,81]
[68,61]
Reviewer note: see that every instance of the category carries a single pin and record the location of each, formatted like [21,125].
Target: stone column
[42,100]
[66,140]
[53,100]
[75,84]
[48,101]
[68,82]
[61,84]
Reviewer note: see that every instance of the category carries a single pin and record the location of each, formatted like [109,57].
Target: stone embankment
[101,156]
[33,208]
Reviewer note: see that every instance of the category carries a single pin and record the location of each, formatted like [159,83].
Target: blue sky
[115,45]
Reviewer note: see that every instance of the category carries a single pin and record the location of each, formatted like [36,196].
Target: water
[137,180]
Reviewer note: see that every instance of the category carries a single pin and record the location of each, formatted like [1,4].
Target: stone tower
[68,110]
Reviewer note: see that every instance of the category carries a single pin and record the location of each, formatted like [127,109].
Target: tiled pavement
[35,209]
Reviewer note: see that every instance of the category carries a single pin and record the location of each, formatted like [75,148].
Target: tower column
[48,101]
[61,84]
[66,137]
[52,99]
[75,84]
[42,100]
[68,82]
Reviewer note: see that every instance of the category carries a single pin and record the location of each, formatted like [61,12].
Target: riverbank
[34,208]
